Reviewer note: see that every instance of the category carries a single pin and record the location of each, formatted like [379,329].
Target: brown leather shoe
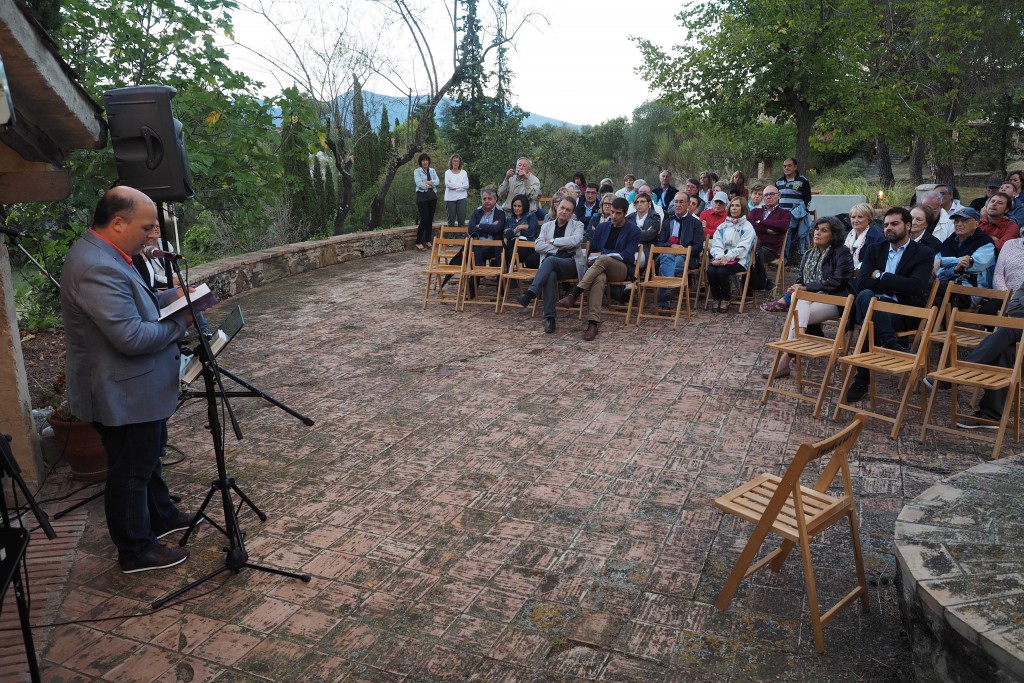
[568,300]
[591,333]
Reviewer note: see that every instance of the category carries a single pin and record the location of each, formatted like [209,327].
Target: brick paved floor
[479,501]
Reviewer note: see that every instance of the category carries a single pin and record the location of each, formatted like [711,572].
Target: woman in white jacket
[730,253]
[456,187]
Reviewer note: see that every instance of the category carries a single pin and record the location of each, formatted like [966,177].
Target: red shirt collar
[120,251]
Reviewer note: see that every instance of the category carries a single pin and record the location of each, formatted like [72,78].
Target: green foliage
[367,166]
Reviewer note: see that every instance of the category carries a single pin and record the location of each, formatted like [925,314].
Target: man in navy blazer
[679,229]
[122,373]
[614,247]
[896,270]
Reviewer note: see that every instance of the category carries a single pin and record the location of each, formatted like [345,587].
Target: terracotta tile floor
[479,501]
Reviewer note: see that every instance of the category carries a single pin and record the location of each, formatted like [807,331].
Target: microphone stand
[13,236]
[13,543]
[237,558]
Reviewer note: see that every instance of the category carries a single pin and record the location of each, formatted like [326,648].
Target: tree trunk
[885,175]
[411,150]
[944,172]
[342,162]
[1004,131]
[804,125]
[917,153]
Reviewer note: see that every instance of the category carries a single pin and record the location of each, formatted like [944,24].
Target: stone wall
[234,275]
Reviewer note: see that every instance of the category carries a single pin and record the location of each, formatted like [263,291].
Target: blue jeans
[137,500]
[545,282]
[668,264]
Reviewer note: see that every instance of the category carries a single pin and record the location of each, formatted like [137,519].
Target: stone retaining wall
[234,275]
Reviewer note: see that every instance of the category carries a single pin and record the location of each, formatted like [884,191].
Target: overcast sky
[577,66]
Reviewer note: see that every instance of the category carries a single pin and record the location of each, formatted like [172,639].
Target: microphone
[11,233]
[153,252]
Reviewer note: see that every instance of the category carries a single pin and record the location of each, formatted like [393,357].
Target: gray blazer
[572,239]
[122,363]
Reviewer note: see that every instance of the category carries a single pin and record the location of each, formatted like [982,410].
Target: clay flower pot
[80,445]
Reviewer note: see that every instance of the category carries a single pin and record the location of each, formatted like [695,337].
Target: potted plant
[76,440]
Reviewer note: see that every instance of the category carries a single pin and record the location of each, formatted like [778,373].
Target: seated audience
[606,187]
[1016,213]
[996,349]
[771,223]
[644,188]
[691,191]
[613,256]
[556,246]
[993,186]
[967,254]
[995,221]
[695,206]
[739,179]
[1008,275]
[521,224]
[664,193]
[944,226]
[589,205]
[605,215]
[730,253]
[679,229]
[826,268]
[627,189]
[923,217]
[756,195]
[863,234]
[704,190]
[646,218]
[711,218]
[896,270]
[580,181]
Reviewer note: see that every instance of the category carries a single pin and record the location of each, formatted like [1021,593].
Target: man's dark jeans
[995,349]
[137,500]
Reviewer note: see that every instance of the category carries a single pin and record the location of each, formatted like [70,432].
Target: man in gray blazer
[122,373]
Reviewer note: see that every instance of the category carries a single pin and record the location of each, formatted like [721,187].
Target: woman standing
[739,179]
[795,197]
[863,233]
[426,201]
[826,268]
[730,253]
[456,190]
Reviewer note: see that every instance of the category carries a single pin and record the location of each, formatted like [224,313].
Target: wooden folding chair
[908,366]
[914,334]
[745,275]
[616,309]
[780,268]
[796,514]
[652,283]
[808,346]
[967,338]
[700,274]
[440,268]
[978,376]
[477,271]
[517,272]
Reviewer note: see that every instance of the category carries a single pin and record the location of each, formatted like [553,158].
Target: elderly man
[519,181]
[556,244]
[944,228]
[612,256]
[122,374]
[665,193]
[895,270]
[679,229]
[967,254]
[771,223]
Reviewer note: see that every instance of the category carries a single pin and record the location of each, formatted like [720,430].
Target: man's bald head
[125,217]
[120,201]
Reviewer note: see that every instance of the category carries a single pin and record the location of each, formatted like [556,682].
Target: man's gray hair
[528,162]
[489,189]
[932,196]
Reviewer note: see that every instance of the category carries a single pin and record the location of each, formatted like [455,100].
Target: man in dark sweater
[612,258]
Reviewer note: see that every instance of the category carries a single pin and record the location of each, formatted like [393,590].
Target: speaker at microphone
[149,145]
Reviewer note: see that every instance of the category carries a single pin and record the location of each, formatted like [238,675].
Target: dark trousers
[886,325]
[995,349]
[545,282]
[137,500]
[425,231]
[720,280]
[528,257]
[759,276]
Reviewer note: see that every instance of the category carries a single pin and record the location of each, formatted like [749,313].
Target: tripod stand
[237,558]
[13,543]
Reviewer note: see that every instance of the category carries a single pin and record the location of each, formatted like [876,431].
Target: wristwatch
[877,275]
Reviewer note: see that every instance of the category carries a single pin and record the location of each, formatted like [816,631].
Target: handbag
[426,196]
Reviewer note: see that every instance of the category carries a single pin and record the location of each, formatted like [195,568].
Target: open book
[202,299]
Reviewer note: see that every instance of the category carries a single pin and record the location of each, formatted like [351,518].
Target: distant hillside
[398,109]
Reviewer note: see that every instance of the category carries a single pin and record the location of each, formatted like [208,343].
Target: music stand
[236,556]
[13,543]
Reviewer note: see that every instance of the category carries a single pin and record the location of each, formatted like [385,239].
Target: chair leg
[812,596]
[640,307]
[771,377]
[858,559]
[902,412]
[1003,421]
[739,571]
[842,390]
[926,421]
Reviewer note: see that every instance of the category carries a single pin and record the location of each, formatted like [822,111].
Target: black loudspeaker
[149,147]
